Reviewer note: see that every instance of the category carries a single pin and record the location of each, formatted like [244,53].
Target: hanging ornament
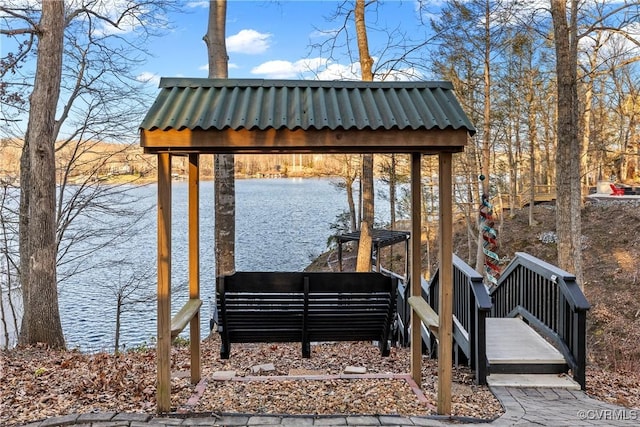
[489,241]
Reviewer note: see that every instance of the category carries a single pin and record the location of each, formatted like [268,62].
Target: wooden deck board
[512,341]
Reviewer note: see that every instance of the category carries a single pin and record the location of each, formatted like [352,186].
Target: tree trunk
[225,214]
[41,322]
[392,192]
[224,170]
[486,129]
[586,133]
[568,224]
[116,349]
[366,64]
[350,200]
[533,140]
[367,189]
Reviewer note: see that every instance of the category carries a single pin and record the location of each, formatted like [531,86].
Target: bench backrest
[350,306]
[255,305]
[305,306]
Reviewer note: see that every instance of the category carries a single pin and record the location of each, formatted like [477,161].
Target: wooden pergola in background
[191,117]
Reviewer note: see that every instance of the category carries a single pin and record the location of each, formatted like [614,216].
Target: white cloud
[324,69]
[250,42]
[340,72]
[148,77]
[276,69]
[196,4]
[279,69]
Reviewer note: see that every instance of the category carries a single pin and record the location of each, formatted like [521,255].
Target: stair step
[528,368]
[532,381]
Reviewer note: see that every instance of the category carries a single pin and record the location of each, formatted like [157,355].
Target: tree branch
[12,12]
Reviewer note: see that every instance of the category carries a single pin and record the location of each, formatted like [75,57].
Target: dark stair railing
[471,307]
[550,300]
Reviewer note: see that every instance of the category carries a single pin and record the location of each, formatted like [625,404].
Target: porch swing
[305,307]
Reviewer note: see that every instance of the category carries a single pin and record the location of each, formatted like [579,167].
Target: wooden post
[445,303]
[364,248]
[194,262]
[163,347]
[416,266]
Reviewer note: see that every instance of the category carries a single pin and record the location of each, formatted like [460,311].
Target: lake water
[281,225]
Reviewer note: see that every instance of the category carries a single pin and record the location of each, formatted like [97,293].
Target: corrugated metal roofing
[220,104]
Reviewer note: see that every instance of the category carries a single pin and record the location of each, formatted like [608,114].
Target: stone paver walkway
[523,407]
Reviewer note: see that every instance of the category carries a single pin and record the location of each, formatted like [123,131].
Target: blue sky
[266,39]
[270,39]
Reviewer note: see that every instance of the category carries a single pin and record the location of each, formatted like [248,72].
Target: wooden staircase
[519,357]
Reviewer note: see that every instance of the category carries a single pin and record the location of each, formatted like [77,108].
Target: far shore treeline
[106,161]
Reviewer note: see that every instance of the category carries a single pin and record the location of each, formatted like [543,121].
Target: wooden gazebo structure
[192,116]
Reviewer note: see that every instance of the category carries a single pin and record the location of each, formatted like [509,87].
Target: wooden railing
[550,300]
[542,193]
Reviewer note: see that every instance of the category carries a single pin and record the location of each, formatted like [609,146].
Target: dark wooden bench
[305,307]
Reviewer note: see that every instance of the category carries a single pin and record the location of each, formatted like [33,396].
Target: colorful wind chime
[490,242]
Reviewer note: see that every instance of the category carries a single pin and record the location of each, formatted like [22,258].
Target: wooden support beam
[310,140]
[194,264]
[445,303]
[427,314]
[163,348]
[416,265]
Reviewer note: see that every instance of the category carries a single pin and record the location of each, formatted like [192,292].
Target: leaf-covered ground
[37,383]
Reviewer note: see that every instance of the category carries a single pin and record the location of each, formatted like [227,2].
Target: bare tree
[41,319]
[568,224]
[468,54]
[393,171]
[82,30]
[396,58]
[348,174]
[368,208]
[570,26]
[130,289]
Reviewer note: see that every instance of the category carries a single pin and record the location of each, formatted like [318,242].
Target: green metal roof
[223,104]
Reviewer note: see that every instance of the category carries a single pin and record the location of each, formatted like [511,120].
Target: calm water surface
[281,224]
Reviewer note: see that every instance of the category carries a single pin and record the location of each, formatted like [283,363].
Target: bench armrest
[424,311]
[184,316]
